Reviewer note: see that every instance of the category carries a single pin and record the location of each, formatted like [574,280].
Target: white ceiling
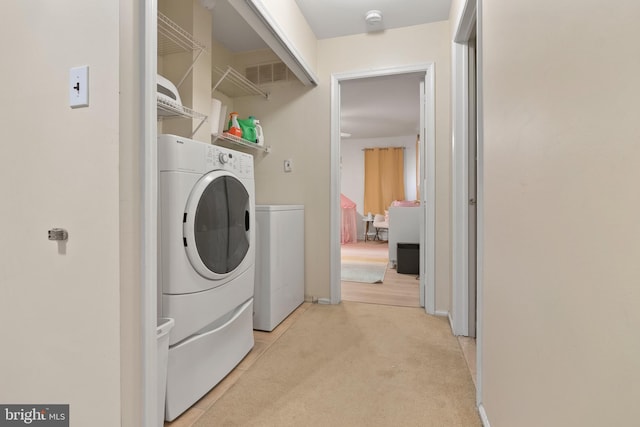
[335,18]
[378,107]
[372,107]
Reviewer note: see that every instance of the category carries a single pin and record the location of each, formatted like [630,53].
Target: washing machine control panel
[234,161]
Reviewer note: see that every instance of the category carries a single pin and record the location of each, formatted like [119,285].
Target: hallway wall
[60,309]
[562,233]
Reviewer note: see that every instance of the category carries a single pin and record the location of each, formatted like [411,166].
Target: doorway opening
[379,172]
[424,184]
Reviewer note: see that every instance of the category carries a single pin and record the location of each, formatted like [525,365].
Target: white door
[60,308]
[472,162]
[423,193]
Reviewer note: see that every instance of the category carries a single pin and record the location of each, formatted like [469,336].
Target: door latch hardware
[58,234]
[472,202]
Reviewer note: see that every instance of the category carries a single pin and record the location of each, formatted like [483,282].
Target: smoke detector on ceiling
[373,17]
[209,4]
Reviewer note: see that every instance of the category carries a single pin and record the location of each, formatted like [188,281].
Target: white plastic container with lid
[259,134]
[218,116]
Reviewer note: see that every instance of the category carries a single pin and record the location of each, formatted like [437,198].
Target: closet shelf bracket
[173,39]
[168,110]
[238,85]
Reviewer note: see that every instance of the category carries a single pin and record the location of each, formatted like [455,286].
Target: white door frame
[471,15]
[428,189]
[460,306]
[149,220]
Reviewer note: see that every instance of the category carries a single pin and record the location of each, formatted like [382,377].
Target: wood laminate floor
[396,289]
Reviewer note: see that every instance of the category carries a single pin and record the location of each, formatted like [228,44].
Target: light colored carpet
[363,272]
[354,365]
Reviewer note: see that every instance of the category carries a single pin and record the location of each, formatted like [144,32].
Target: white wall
[296,31]
[60,310]
[456,12]
[561,149]
[352,179]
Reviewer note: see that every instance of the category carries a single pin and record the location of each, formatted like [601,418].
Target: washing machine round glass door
[216,225]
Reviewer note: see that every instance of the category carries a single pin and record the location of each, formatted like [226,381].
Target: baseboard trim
[483,416]
[442,313]
[453,331]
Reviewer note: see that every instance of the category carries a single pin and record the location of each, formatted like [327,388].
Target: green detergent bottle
[248,127]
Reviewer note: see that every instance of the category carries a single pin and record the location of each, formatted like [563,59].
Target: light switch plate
[79,87]
[288,165]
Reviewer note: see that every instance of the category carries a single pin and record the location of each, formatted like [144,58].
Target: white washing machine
[206,264]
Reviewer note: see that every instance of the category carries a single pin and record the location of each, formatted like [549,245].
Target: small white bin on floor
[165,325]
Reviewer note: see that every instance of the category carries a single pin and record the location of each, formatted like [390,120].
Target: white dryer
[206,263]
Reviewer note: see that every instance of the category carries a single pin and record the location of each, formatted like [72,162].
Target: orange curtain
[383,178]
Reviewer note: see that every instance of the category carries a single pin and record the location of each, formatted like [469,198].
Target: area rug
[352,365]
[363,272]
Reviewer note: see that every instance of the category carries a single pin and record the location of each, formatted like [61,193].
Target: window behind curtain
[383,178]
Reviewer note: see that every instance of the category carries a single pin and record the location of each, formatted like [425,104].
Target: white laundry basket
[165,325]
